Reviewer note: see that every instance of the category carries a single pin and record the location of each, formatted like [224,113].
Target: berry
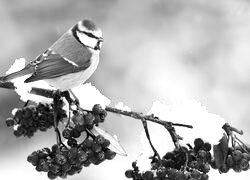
[106,143]
[129,173]
[82,156]
[198,143]
[72,142]
[97,109]
[86,163]
[89,118]
[243,164]
[76,133]
[78,119]
[109,154]
[195,174]
[99,139]
[43,165]
[87,143]
[93,160]
[10,122]
[237,155]
[148,175]
[204,167]
[96,147]
[208,156]
[18,115]
[202,154]
[51,175]
[207,146]
[169,163]
[55,148]
[80,128]
[204,177]
[169,155]
[60,159]
[100,156]
[17,133]
[103,116]
[66,133]
[72,153]
[54,168]
[246,156]
[33,158]
[66,167]
[246,167]
[161,172]
[224,168]
[90,153]
[194,164]
[27,111]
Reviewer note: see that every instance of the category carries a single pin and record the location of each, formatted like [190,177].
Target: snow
[121,106]
[87,94]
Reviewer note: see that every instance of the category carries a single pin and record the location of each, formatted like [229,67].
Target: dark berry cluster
[82,121]
[62,161]
[87,119]
[179,164]
[27,120]
[237,159]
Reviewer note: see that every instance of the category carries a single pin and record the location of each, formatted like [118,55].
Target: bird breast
[72,80]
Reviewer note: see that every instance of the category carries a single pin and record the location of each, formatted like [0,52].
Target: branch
[51,94]
[55,94]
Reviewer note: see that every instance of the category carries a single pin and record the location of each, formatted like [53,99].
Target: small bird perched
[69,62]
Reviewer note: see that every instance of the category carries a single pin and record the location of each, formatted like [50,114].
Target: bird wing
[51,65]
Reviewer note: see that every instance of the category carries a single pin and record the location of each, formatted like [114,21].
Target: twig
[151,118]
[7,85]
[148,137]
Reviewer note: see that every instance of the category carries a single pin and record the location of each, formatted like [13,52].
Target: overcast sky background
[168,50]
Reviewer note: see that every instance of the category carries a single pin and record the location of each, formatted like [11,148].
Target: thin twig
[58,138]
[137,115]
[7,85]
[148,137]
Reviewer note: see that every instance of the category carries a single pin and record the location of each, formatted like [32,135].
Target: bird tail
[17,74]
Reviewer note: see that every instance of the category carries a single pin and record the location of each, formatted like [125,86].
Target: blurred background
[168,50]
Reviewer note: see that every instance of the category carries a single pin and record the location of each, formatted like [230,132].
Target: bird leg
[76,100]
[71,101]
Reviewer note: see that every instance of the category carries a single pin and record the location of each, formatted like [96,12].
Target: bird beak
[100,39]
[98,45]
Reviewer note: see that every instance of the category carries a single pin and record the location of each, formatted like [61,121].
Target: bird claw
[70,100]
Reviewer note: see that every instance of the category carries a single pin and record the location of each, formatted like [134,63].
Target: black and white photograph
[125,90]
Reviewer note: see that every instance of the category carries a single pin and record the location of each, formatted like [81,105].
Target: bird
[69,61]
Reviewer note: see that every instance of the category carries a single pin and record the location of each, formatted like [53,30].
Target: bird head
[88,34]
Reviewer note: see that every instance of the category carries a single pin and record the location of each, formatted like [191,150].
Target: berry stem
[56,98]
[145,126]
[242,145]
[26,103]
[89,134]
